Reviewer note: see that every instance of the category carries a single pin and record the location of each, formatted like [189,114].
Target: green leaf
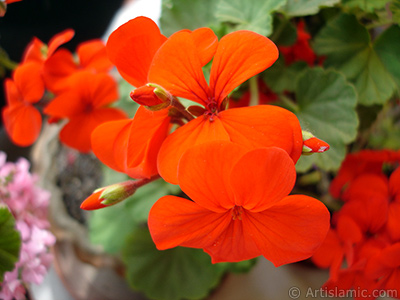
[365,5]
[183,14]
[281,78]
[326,107]
[250,15]
[173,274]
[285,32]
[297,8]
[10,242]
[110,226]
[349,49]
[387,47]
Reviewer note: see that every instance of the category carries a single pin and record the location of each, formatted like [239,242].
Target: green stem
[141,182]
[288,103]
[254,97]
[178,105]
[6,62]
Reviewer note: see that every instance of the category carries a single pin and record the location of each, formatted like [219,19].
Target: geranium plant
[240,141]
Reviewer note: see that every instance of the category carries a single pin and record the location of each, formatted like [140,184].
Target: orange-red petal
[195,132]
[103,88]
[57,68]
[177,67]
[132,46]
[131,146]
[148,131]
[233,245]
[29,82]
[368,204]
[93,56]
[86,93]
[206,43]
[59,39]
[203,174]
[65,105]
[329,252]
[264,126]
[13,95]
[175,221]
[262,177]
[240,55]
[34,51]
[290,231]
[23,123]
[77,132]
[367,185]
[109,143]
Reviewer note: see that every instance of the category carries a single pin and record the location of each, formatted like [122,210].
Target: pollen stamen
[237,212]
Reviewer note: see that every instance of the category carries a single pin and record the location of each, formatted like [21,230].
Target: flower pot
[85,270]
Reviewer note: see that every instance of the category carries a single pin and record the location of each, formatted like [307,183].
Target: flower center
[237,212]
[88,107]
[211,110]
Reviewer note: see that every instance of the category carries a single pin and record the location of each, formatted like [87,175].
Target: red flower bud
[311,144]
[151,96]
[109,195]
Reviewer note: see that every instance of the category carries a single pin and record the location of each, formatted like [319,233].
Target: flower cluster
[362,248]
[55,82]
[28,203]
[237,165]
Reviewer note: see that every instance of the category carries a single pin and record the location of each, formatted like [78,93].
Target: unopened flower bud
[109,195]
[152,96]
[311,144]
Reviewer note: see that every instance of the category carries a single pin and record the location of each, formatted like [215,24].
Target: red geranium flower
[22,120]
[240,207]
[85,104]
[39,52]
[300,50]
[177,67]
[368,202]
[355,164]
[58,69]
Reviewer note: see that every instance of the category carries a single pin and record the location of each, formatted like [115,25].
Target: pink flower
[28,203]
